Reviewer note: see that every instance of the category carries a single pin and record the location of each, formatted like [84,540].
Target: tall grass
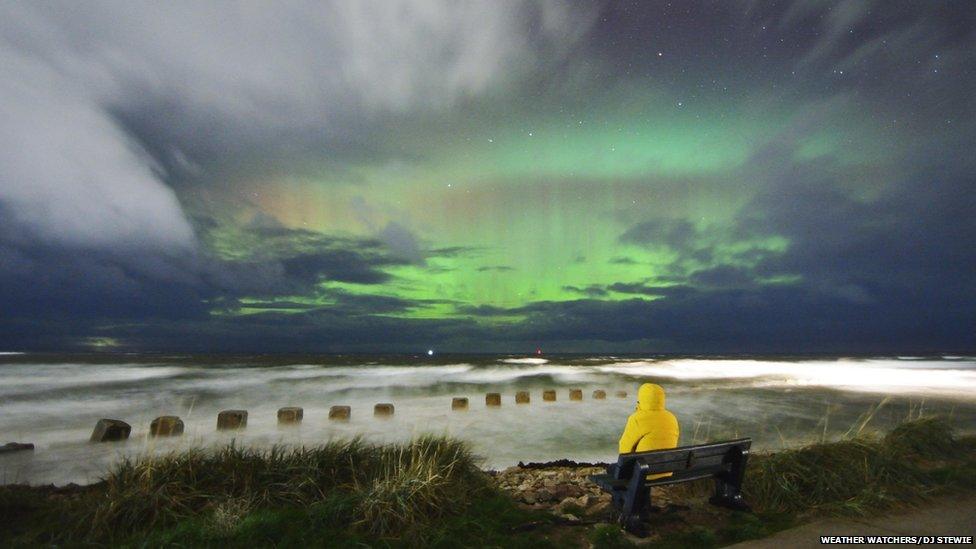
[856,475]
[388,489]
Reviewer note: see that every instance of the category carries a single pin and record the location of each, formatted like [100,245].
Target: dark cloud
[674,233]
[590,291]
[454,251]
[622,260]
[335,265]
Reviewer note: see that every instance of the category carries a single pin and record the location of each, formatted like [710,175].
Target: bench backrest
[686,460]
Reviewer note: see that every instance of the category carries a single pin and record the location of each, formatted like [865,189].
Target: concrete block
[576,394]
[229,420]
[16,447]
[383,410]
[340,412]
[459,403]
[599,394]
[107,430]
[493,399]
[549,395]
[290,415]
[621,394]
[166,426]
[522,397]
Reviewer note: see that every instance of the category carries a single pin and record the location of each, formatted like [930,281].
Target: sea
[54,401]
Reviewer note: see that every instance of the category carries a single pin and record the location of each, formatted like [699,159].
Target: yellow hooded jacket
[650,427]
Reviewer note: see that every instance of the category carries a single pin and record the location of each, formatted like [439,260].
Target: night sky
[496,176]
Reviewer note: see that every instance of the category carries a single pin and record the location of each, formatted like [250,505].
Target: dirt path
[944,517]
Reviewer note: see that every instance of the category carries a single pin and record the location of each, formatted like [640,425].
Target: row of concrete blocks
[107,430]
[523,397]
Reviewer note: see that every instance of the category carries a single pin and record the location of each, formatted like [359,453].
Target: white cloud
[225,71]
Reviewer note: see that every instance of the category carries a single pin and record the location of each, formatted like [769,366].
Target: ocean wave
[875,376]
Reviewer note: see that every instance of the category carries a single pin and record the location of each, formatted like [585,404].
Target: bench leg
[728,488]
[635,501]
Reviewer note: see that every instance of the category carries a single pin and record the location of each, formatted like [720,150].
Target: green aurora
[534,204]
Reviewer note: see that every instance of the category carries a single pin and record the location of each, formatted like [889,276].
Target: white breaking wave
[919,377]
[524,361]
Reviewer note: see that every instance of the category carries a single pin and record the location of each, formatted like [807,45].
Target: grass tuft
[394,488]
[855,476]
[609,536]
[927,437]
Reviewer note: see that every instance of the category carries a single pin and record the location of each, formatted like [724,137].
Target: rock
[564,463]
[493,399]
[522,397]
[107,430]
[166,426]
[459,403]
[549,395]
[543,495]
[383,410]
[583,501]
[598,508]
[529,497]
[566,502]
[231,420]
[340,412]
[290,415]
[569,517]
[599,394]
[576,394]
[563,491]
[16,447]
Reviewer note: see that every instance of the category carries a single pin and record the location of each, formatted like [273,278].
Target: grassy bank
[430,492]
[427,492]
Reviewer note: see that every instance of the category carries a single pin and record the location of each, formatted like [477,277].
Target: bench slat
[607,482]
[683,464]
[676,454]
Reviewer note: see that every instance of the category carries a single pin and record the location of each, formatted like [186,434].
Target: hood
[650,397]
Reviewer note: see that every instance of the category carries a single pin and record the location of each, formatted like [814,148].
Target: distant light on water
[430,352]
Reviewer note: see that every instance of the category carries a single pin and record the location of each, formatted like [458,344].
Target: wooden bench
[627,480]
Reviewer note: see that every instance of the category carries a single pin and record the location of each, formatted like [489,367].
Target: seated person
[650,427]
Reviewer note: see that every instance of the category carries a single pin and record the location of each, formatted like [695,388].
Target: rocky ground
[564,489]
